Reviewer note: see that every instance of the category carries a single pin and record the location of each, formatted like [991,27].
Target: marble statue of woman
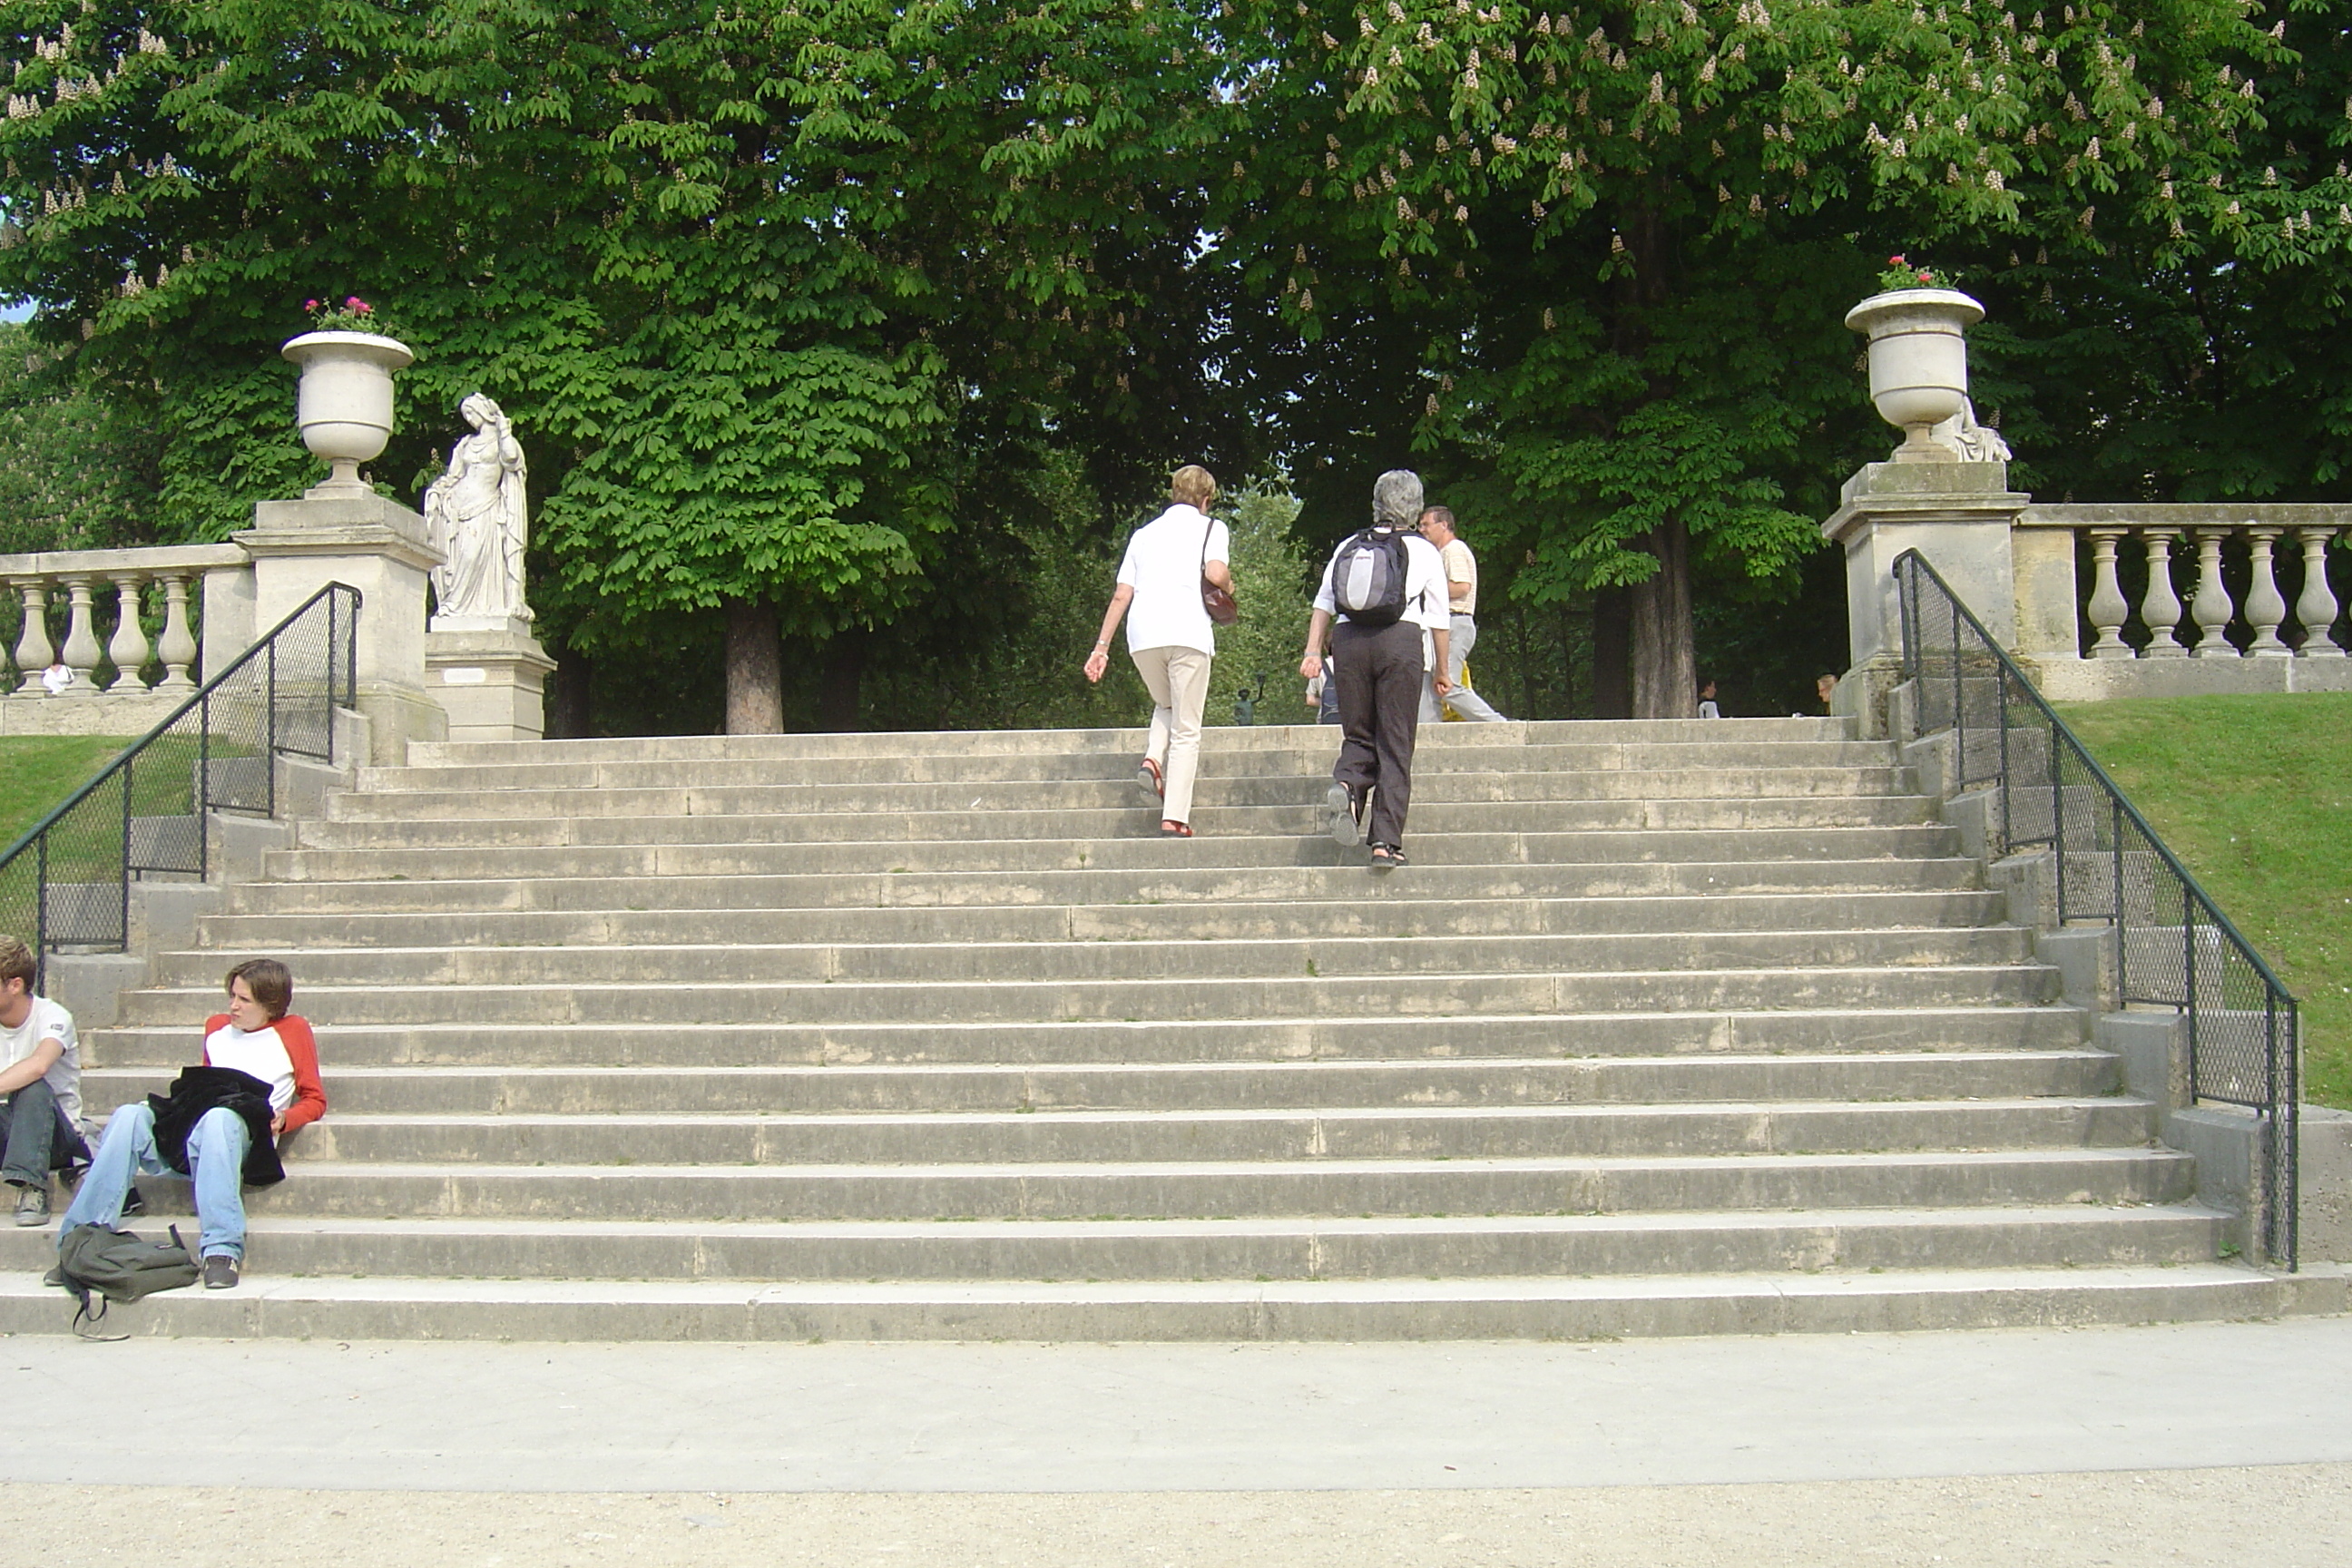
[474,515]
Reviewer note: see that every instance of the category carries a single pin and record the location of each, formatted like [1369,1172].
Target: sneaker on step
[32,1205]
[1340,806]
[220,1272]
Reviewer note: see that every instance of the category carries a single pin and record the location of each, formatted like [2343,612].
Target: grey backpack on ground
[101,1265]
[1368,578]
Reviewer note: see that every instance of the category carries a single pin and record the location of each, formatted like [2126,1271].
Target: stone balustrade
[180,607]
[2182,603]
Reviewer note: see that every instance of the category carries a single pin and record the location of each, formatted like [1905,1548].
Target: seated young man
[40,1086]
[258,1081]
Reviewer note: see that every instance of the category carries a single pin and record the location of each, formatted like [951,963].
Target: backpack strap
[89,1323]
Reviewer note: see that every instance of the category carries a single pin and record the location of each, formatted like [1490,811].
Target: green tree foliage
[77,461]
[1627,231]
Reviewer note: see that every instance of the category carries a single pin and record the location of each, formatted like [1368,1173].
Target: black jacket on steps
[200,1089]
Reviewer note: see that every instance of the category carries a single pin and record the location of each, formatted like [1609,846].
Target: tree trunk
[569,706]
[1665,665]
[1612,632]
[838,687]
[755,670]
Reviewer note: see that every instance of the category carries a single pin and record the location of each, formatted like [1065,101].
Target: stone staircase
[1671,1027]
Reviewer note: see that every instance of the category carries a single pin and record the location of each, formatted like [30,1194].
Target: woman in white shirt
[1168,636]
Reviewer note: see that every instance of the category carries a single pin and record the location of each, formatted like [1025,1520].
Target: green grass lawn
[36,772]
[2254,794]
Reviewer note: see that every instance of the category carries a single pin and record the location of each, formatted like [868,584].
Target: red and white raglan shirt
[284,1055]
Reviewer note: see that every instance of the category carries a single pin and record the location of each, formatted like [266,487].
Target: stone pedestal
[347,534]
[489,674]
[1959,516]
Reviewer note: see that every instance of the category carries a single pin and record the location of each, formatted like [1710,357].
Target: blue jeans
[215,1162]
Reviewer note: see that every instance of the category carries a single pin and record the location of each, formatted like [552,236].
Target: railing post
[33,649]
[178,649]
[2160,606]
[2211,608]
[128,646]
[2265,606]
[2316,606]
[2108,608]
[81,649]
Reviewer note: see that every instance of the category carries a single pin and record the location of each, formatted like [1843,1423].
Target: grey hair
[1396,499]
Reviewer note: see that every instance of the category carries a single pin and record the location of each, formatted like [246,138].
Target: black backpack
[101,1265]
[1368,578]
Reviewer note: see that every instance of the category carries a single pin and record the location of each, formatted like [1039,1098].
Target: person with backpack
[1386,586]
[40,1086]
[1169,635]
[221,1123]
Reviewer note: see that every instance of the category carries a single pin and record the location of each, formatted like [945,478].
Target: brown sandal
[1175,830]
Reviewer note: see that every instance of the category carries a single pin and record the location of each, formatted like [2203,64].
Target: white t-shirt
[1424,591]
[47,1021]
[260,1053]
[1163,564]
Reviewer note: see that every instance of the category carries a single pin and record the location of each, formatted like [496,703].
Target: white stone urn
[344,405]
[1919,362]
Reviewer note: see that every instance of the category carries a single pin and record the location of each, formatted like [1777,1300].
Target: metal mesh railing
[66,885]
[2175,948]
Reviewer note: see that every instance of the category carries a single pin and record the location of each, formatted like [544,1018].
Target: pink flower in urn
[1926,277]
[1896,262]
[310,304]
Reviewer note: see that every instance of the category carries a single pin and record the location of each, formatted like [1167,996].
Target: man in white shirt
[1384,671]
[1462,608]
[40,1086]
[1169,636]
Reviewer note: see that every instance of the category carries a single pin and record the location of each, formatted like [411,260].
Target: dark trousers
[37,1135]
[1380,677]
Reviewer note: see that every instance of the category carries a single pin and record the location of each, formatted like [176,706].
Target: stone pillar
[351,534]
[489,674]
[1960,517]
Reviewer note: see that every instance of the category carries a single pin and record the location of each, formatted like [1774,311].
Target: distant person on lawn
[40,1086]
[221,1123]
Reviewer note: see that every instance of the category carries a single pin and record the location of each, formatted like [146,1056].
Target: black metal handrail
[2175,946]
[65,882]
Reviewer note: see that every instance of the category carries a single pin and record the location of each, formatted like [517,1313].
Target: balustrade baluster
[179,645]
[81,649]
[128,648]
[2108,607]
[2316,606]
[2265,607]
[2210,608]
[33,649]
[2160,606]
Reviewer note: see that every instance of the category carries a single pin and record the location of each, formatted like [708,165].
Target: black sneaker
[220,1272]
[133,1203]
[33,1206]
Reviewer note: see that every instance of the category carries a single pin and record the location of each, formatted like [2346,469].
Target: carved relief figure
[474,514]
[1975,443]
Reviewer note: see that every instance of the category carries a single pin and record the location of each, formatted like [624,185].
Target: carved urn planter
[344,404]
[1919,362]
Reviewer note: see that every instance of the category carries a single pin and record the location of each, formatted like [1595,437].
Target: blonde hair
[1192,485]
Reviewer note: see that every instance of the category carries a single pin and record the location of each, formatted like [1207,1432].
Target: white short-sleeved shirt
[1424,590]
[260,1054]
[1163,564]
[1461,566]
[47,1021]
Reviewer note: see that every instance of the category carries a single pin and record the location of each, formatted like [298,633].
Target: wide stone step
[1970,1026]
[1218,740]
[1704,781]
[559,818]
[1549,1307]
[1335,1132]
[1420,884]
[1858,1078]
[1179,1190]
[1110,922]
[2069,1236]
[1136,856]
[1203,959]
[1429,994]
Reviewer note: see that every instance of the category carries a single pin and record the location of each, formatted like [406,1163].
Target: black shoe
[220,1272]
[1387,858]
[133,1203]
[33,1206]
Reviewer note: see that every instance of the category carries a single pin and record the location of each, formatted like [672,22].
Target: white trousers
[1468,704]
[1179,681]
